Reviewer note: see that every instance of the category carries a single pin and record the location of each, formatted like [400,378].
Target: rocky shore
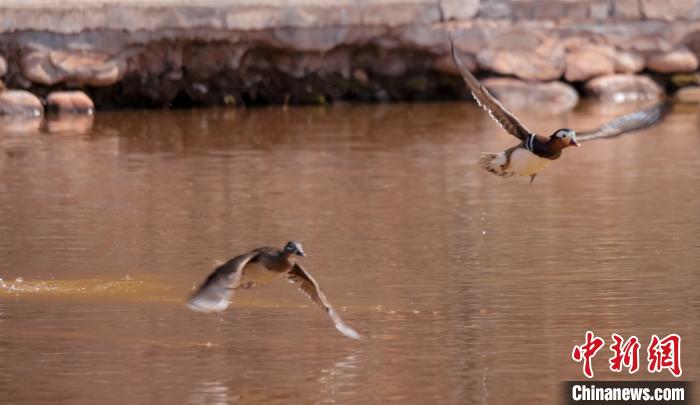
[171,53]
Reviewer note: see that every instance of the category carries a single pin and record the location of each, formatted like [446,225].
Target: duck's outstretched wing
[629,122]
[488,102]
[216,292]
[310,288]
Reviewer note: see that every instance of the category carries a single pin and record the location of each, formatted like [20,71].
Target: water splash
[142,290]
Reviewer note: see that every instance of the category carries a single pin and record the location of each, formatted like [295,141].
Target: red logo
[665,354]
[626,354]
[662,354]
[587,351]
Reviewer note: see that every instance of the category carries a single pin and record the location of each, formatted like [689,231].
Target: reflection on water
[54,124]
[212,393]
[338,379]
[470,288]
[18,125]
[71,123]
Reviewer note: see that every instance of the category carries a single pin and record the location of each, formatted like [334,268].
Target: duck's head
[566,136]
[294,248]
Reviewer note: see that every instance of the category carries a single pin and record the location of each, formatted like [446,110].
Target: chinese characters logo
[662,354]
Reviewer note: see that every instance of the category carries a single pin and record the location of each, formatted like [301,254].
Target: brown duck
[535,152]
[258,267]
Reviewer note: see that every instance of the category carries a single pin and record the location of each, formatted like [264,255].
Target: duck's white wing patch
[215,294]
[309,287]
[347,331]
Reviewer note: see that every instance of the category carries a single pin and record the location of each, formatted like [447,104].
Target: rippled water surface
[468,288]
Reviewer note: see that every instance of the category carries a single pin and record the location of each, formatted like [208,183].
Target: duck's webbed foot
[532,177]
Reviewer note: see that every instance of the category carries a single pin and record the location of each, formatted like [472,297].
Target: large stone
[260,50]
[311,39]
[495,9]
[471,38]
[628,62]
[49,67]
[299,14]
[553,9]
[428,37]
[20,124]
[526,54]
[583,65]
[459,9]
[551,96]
[667,9]
[20,103]
[677,61]
[626,9]
[445,64]
[69,102]
[75,124]
[690,94]
[623,87]
[587,61]
[395,13]
[139,16]
[599,10]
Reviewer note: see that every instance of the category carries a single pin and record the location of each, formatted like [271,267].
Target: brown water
[468,288]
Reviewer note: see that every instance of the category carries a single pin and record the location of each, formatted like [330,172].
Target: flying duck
[535,152]
[258,267]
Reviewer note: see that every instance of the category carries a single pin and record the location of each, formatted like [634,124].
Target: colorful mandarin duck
[535,152]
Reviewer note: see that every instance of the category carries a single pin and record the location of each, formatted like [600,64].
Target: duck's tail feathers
[495,163]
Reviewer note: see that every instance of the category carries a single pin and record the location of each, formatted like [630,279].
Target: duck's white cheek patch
[525,163]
